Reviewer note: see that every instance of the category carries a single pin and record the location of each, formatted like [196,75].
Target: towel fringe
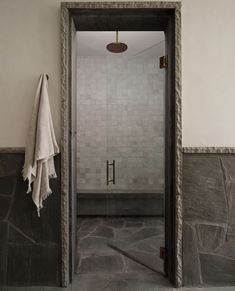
[53,176]
[29,185]
[44,197]
[29,189]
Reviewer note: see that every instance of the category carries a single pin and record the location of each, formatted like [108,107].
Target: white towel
[41,147]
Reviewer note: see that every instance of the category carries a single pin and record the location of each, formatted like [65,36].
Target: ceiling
[93,43]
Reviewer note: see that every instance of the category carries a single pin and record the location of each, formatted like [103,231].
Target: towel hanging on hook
[41,147]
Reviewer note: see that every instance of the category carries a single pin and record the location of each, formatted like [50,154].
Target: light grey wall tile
[120,117]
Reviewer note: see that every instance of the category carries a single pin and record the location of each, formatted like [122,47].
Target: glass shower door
[120,119]
[116,123]
[134,146]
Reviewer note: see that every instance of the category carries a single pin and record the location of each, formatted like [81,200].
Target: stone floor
[121,247]
[98,287]
[77,285]
[119,254]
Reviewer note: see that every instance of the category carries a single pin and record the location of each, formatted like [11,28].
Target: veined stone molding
[208,150]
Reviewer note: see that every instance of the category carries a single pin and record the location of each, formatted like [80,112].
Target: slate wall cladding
[29,246]
[209,219]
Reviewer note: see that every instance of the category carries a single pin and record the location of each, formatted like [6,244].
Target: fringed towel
[41,147]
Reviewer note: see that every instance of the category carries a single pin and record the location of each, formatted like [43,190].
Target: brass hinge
[163,253]
[163,62]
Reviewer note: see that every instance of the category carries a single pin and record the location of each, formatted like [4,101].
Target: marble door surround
[168,15]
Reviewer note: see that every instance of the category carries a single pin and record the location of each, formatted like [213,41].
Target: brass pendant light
[116,47]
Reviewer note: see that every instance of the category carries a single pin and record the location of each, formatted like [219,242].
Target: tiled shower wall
[121,118]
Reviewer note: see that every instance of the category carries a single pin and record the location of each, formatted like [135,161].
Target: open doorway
[121,154]
[123,146]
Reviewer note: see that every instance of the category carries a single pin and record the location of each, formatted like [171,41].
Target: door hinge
[163,62]
[163,253]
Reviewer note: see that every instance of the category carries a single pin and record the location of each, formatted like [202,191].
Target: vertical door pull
[113,171]
[107,172]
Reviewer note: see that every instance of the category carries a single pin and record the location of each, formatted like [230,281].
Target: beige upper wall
[30,45]
[208,72]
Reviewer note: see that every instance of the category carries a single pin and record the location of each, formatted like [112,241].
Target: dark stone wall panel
[48,258]
[4,206]
[11,164]
[3,252]
[206,165]
[230,193]
[204,196]
[228,168]
[23,215]
[191,261]
[15,235]
[33,265]
[210,238]
[228,162]
[209,210]
[7,185]
[217,270]
[228,249]
[18,264]
[29,245]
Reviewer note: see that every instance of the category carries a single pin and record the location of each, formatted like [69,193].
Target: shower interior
[120,153]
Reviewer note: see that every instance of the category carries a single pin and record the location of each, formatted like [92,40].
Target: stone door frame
[67,11]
